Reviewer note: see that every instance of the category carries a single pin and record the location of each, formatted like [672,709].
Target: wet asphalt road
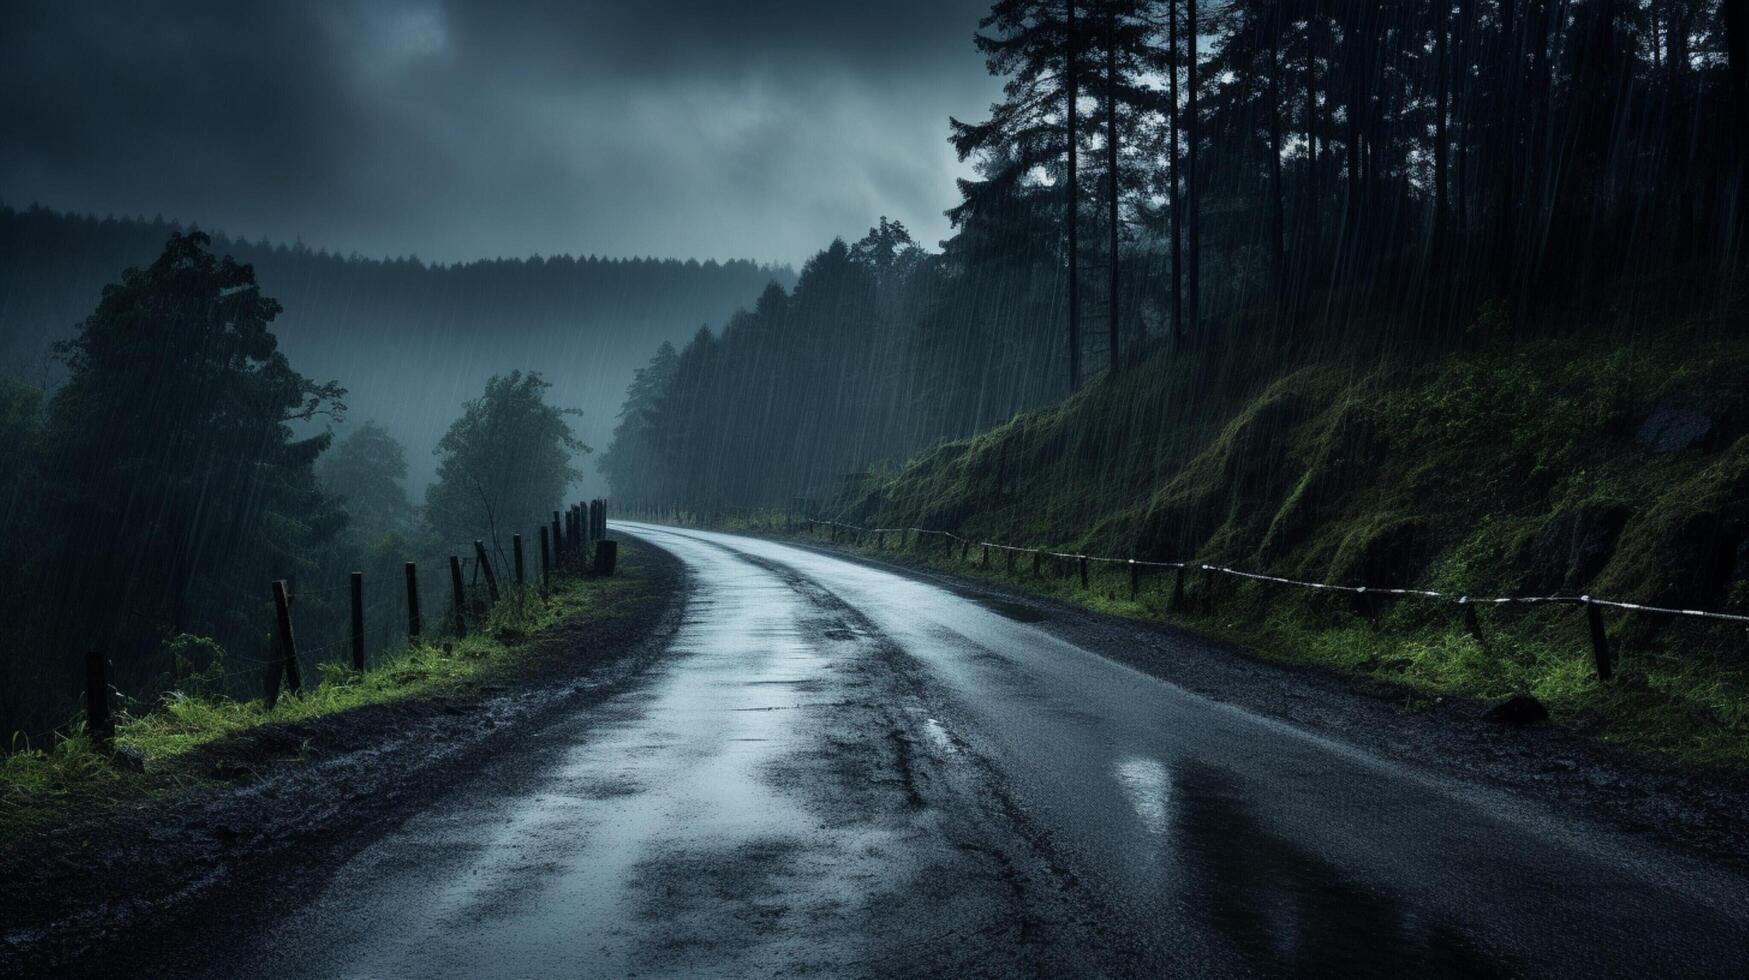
[841,770]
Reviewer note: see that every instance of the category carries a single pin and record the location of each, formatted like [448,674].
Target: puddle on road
[1147,787]
[938,736]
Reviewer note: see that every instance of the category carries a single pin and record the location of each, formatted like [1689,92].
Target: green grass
[1453,475]
[1694,710]
[41,785]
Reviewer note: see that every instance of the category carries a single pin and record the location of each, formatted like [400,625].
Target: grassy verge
[1693,709]
[1681,688]
[45,785]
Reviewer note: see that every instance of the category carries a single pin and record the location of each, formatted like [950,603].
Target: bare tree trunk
[1074,215]
[1309,244]
[1192,191]
[1278,253]
[1177,198]
[1736,16]
[1461,201]
[1112,181]
[1506,176]
[1441,168]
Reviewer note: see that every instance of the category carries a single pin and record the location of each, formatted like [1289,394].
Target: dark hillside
[1561,467]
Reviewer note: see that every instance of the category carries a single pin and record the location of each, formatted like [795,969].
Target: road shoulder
[1695,810]
[292,801]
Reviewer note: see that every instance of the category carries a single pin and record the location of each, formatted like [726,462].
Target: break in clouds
[458,131]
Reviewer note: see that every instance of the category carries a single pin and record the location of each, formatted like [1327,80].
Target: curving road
[843,770]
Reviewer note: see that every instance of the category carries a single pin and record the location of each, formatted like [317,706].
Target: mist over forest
[409,340]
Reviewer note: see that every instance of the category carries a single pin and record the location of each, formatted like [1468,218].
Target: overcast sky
[456,130]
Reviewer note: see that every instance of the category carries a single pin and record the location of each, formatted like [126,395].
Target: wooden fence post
[486,565]
[1135,579]
[558,542]
[606,558]
[1208,588]
[1176,603]
[358,621]
[1037,556]
[516,550]
[965,547]
[1082,561]
[546,560]
[99,721]
[1010,553]
[984,560]
[1599,640]
[288,648]
[412,604]
[1473,625]
[460,593]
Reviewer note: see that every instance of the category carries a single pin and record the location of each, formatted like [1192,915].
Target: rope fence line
[1457,598]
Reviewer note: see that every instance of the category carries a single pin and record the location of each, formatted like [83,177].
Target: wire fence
[567,543]
[1457,598]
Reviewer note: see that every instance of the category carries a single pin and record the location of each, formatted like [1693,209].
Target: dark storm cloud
[456,130]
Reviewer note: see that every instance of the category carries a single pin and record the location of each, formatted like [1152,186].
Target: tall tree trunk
[1278,251]
[1176,195]
[1736,17]
[1192,190]
[1314,183]
[1354,56]
[1538,145]
[1505,157]
[1441,168]
[1461,147]
[1680,119]
[1074,216]
[1111,180]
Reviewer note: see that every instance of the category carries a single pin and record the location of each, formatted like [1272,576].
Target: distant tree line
[54,265]
[1235,186]
[880,348]
[151,499]
[404,332]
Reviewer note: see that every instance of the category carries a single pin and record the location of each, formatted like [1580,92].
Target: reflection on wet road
[844,771]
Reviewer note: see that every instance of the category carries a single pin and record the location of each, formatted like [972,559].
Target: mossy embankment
[183,739]
[1554,467]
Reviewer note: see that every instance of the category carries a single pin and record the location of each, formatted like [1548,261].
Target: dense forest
[1237,187]
[410,339]
[186,461]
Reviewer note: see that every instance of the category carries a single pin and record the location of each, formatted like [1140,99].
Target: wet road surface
[841,770]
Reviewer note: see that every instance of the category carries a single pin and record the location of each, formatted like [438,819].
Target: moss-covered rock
[1574,545]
